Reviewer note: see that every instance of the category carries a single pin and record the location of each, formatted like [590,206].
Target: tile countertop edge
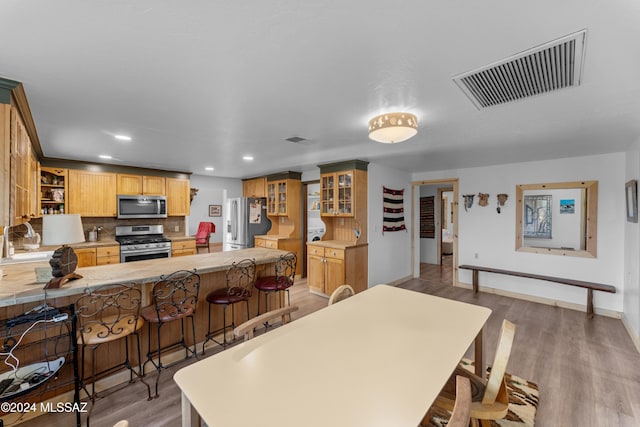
[25,290]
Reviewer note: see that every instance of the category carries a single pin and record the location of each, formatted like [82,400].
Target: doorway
[313,227]
[434,238]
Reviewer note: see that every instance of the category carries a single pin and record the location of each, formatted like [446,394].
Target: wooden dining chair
[490,398]
[341,292]
[247,328]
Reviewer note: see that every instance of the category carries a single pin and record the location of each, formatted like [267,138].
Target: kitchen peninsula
[19,293]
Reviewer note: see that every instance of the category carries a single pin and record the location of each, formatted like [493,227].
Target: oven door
[142,254]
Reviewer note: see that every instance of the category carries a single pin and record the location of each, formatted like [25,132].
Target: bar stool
[175,297]
[240,278]
[107,314]
[281,281]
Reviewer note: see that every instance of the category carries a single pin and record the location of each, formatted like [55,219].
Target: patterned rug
[523,403]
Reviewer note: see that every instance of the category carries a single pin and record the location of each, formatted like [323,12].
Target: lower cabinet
[183,247]
[284,244]
[329,267]
[103,255]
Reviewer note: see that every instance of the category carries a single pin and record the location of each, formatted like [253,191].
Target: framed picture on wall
[631,192]
[215,210]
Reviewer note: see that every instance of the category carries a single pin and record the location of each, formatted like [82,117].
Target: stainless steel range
[138,242]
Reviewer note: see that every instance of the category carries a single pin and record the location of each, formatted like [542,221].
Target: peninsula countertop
[18,285]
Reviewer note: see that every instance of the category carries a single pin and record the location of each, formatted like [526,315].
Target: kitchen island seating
[341,292]
[490,398]
[285,271]
[240,279]
[104,315]
[175,297]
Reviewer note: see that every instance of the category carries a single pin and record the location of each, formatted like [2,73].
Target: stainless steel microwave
[141,206]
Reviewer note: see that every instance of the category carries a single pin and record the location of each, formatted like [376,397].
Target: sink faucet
[30,233]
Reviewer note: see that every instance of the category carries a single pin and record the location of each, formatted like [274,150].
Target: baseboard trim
[542,300]
[632,334]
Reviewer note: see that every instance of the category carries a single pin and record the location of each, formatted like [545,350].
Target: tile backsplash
[109,224]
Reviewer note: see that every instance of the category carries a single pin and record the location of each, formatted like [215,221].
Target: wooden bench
[589,286]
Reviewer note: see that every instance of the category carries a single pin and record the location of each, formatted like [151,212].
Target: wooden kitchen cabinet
[86,257]
[254,187]
[331,266]
[178,203]
[284,194]
[92,193]
[183,247]
[23,192]
[141,184]
[337,191]
[325,269]
[108,255]
[53,190]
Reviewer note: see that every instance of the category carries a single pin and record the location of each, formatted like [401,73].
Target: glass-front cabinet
[336,194]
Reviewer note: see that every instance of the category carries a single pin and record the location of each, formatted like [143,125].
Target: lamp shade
[393,127]
[62,229]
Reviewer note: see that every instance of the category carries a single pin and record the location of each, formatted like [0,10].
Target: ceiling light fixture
[209,168]
[104,156]
[390,128]
[122,137]
[247,157]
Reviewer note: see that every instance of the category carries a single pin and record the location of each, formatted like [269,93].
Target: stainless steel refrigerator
[246,218]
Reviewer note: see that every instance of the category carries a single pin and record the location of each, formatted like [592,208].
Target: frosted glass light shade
[390,128]
[62,229]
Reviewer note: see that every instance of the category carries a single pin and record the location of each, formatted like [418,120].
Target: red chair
[202,236]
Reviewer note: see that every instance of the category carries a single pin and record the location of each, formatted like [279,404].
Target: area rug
[523,402]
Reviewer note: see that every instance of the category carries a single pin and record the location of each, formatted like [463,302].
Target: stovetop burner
[138,240]
[141,235]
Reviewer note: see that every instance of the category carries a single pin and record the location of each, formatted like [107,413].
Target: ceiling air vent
[548,67]
[299,140]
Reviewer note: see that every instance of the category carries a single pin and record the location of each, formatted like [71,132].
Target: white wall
[211,191]
[632,255]
[389,254]
[491,236]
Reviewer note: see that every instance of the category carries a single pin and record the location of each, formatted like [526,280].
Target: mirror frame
[591,219]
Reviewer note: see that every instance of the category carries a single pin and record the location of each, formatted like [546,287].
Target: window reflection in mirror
[557,218]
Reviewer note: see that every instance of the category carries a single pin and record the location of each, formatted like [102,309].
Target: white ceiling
[203,82]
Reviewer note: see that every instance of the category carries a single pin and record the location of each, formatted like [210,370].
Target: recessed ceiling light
[104,156]
[209,168]
[247,157]
[122,137]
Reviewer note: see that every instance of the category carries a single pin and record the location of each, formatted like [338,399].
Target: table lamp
[62,230]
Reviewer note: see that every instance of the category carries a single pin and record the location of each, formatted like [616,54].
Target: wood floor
[588,371]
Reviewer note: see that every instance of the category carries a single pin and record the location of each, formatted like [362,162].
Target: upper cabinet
[178,203]
[23,169]
[141,184]
[254,187]
[341,187]
[92,193]
[53,190]
[283,194]
[343,196]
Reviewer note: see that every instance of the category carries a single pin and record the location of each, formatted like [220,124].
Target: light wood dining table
[378,358]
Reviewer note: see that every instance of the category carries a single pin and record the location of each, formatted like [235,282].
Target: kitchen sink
[27,257]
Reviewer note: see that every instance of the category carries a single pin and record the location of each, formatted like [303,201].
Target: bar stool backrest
[108,312]
[286,269]
[176,294]
[240,278]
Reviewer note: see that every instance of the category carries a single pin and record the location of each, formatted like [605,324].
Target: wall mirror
[558,218]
